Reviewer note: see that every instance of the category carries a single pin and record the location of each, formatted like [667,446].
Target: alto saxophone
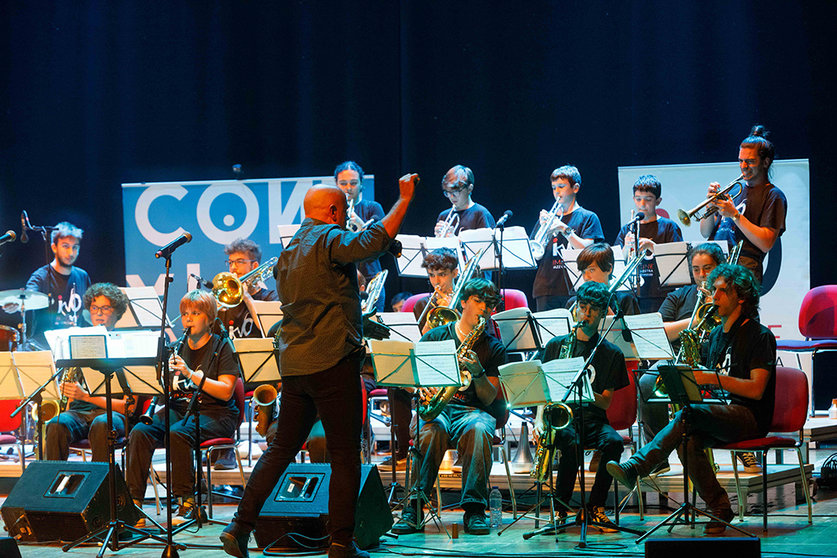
[556,416]
[71,375]
[431,405]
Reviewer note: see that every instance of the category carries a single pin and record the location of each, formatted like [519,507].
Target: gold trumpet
[228,289]
[686,217]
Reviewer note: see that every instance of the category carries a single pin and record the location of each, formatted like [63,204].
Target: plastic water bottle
[495,504]
[832,411]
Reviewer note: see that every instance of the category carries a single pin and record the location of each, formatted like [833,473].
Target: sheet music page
[59,339]
[436,363]
[452,242]
[524,383]
[617,338]
[560,373]
[286,233]
[391,362]
[553,323]
[515,332]
[128,344]
[34,368]
[649,336]
[403,325]
[147,305]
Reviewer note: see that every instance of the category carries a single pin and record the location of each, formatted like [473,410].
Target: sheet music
[524,383]
[428,363]
[257,361]
[451,242]
[436,363]
[649,336]
[553,323]
[617,337]
[403,325]
[268,312]
[21,373]
[59,339]
[559,375]
[473,241]
[145,308]
[516,332]
[286,233]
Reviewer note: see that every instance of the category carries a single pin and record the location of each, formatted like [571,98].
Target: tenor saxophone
[431,405]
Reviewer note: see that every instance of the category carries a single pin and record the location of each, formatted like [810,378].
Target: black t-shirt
[661,231]
[552,278]
[65,298]
[765,206]
[245,325]
[747,346]
[215,358]
[474,217]
[86,406]
[491,355]
[607,367]
[366,210]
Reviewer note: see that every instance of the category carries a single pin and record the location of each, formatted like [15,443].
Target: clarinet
[148,416]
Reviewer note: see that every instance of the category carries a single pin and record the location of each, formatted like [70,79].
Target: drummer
[62,282]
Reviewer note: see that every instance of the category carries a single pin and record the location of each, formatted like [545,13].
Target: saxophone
[556,416]
[431,405]
[71,375]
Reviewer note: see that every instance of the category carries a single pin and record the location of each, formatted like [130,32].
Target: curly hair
[594,294]
[744,283]
[482,288]
[65,229]
[440,258]
[244,246]
[111,292]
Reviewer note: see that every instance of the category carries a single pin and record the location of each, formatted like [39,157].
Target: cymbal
[33,300]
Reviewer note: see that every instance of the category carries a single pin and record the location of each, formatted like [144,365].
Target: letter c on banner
[144,202]
[251,218]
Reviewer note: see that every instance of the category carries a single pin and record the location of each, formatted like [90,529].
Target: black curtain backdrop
[97,94]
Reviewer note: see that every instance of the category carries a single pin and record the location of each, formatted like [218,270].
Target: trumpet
[373,292]
[441,315]
[228,289]
[539,239]
[450,224]
[686,217]
[353,226]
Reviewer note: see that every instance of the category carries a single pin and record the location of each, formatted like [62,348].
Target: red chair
[817,323]
[410,303]
[10,424]
[622,415]
[220,444]
[514,298]
[789,415]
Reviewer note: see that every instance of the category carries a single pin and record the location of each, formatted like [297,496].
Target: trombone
[450,224]
[228,289]
[686,217]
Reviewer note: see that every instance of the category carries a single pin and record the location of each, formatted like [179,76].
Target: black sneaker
[409,522]
[623,472]
[603,522]
[713,527]
[749,461]
[476,523]
[185,512]
[337,550]
[235,543]
[225,461]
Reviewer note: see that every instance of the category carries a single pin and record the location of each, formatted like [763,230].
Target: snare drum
[8,338]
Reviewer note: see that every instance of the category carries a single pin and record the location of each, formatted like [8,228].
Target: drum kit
[19,300]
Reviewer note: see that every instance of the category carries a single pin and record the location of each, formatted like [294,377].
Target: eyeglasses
[238,262]
[102,309]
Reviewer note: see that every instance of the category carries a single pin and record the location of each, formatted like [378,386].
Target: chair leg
[616,501]
[805,486]
[208,481]
[742,500]
[503,454]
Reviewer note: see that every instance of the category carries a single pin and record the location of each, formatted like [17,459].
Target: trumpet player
[348,176]
[757,214]
[607,374]
[85,414]
[651,229]
[468,421]
[741,359]
[442,269]
[464,214]
[576,228]
[243,256]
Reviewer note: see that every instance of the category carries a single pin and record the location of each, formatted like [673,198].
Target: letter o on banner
[251,218]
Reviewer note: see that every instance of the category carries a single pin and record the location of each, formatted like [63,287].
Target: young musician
[468,420]
[457,186]
[577,229]
[349,177]
[741,359]
[85,416]
[243,256]
[320,351]
[442,268]
[608,374]
[208,361]
[61,280]
[596,264]
[653,230]
[757,214]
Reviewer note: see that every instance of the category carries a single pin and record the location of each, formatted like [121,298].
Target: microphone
[201,281]
[24,227]
[639,216]
[10,236]
[167,250]
[508,213]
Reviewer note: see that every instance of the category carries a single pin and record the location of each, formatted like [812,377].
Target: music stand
[402,325]
[268,313]
[286,233]
[144,309]
[255,358]
[553,323]
[518,330]
[416,365]
[683,390]
[415,247]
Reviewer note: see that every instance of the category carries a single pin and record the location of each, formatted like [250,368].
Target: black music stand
[113,528]
[683,390]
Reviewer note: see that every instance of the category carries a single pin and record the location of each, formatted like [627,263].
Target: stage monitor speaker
[299,504]
[63,500]
[8,548]
[740,547]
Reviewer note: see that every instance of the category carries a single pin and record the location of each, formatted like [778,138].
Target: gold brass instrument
[555,416]
[441,315]
[432,303]
[451,223]
[541,236]
[70,375]
[373,292]
[686,217]
[228,289]
[49,410]
[431,405]
[735,253]
[264,397]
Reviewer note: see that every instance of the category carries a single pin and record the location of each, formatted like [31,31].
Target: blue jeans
[708,426]
[72,426]
[470,431]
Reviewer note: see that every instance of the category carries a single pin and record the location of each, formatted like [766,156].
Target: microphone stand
[636,251]
[193,409]
[498,257]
